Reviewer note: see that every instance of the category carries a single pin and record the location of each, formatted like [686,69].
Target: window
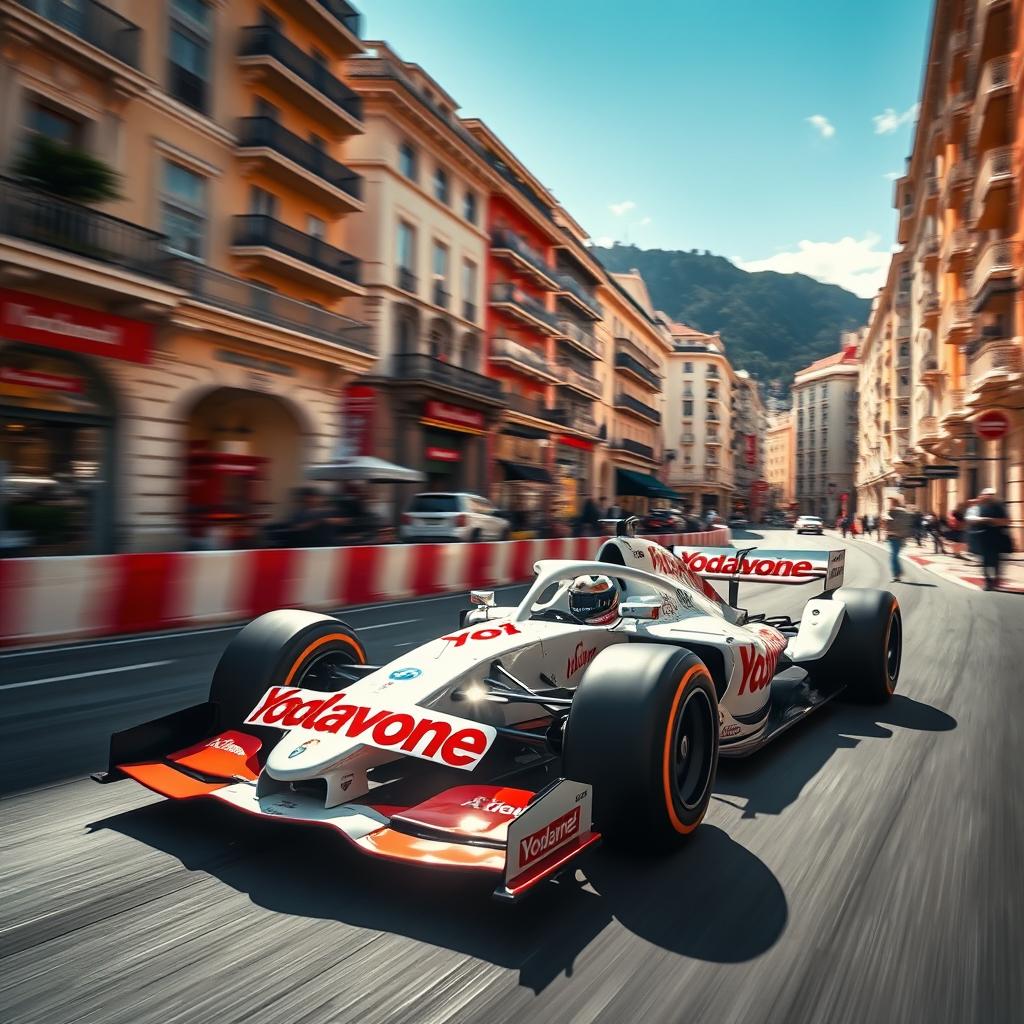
[469,207]
[183,209]
[406,256]
[407,161]
[316,227]
[441,187]
[439,264]
[264,108]
[189,53]
[317,142]
[688,407]
[53,124]
[262,202]
[469,290]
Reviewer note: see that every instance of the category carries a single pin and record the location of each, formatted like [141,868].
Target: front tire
[287,647]
[643,730]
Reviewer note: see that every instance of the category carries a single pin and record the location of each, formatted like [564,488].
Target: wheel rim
[893,649]
[692,743]
[325,671]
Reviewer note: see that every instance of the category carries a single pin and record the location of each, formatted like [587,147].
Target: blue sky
[762,130]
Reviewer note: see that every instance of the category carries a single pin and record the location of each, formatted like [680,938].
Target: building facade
[698,424]
[749,423]
[780,462]
[825,411]
[171,359]
[945,338]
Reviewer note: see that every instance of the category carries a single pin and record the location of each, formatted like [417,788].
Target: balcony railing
[256,230]
[265,132]
[250,300]
[573,332]
[689,439]
[929,303]
[344,12]
[507,350]
[582,381]
[93,23]
[996,360]
[995,78]
[527,406]
[996,169]
[505,293]
[437,371]
[468,310]
[624,361]
[267,41]
[440,295]
[625,444]
[995,260]
[503,239]
[44,219]
[567,283]
[575,418]
[406,280]
[624,401]
[957,243]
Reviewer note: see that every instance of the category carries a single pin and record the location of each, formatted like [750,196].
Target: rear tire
[867,653]
[287,647]
[643,730]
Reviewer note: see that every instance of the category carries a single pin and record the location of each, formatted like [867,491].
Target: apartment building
[946,333]
[172,358]
[748,434]
[423,243]
[698,420]
[636,343]
[825,409]
[780,461]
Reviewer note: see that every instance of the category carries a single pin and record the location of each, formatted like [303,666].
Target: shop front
[574,469]
[637,492]
[525,488]
[58,423]
[452,449]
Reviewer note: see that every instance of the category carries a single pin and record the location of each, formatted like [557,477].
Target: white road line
[83,675]
[384,625]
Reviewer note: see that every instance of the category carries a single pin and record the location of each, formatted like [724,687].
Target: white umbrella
[367,468]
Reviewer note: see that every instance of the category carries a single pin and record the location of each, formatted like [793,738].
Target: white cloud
[823,124]
[889,120]
[604,241]
[855,264]
[620,208]
[644,221]
[892,175]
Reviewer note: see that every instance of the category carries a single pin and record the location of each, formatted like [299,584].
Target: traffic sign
[992,425]
[941,472]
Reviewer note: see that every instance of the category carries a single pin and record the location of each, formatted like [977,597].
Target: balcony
[581,382]
[991,23]
[580,339]
[714,440]
[289,251]
[417,368]
[688,439]
[930,373]
[636,407]
[625,444]
[902,303]
[930,252]
[993,188]
[406,280]
[994,89]
[956,245]
[291,160]
[954,421]
[515,250]
[994,264]
[440,296]
[632,367]
[271,58]
[993,365]
[526,406]
[336,22]
[509,353]
[931,193]
[572,291]
[960,176]
[42,219]
[251,302]
[511,299]
[957,109]
[957,323]
[575,418]
[106,32]
[930,306]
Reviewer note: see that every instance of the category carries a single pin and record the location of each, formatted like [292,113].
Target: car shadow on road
[773,778]
[736,912]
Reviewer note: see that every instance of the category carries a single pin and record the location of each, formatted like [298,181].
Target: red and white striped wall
[49,600]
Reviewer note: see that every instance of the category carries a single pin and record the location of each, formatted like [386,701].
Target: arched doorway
[57,453]
[245,455]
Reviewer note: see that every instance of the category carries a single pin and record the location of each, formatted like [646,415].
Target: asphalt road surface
[867,867]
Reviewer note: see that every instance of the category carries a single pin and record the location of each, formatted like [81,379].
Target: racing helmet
[594,600]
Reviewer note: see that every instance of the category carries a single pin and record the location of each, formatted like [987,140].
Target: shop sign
[453,416]
[358,404]
[41,381]
[443,454]
[575,442]
[38,321]
[751,449]
[253,363]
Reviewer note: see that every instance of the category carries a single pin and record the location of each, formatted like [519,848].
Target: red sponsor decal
[579,659]
[39,321]
[554,834]
[754,566]
[758,668]
[433,736]
[666,563]
[491,633]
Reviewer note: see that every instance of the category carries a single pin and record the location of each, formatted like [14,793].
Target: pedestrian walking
[899,524]
[933,525]
[990,520]
[972,528]
[955,529]
[918,527]
[864,521]
[844,524]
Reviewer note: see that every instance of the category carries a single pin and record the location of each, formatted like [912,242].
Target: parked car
[448,516]
[663,520]
[809,524]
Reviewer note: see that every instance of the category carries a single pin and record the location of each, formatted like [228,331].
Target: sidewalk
[964,572]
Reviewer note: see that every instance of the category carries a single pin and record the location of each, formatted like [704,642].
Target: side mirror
[485,598]
[641,610]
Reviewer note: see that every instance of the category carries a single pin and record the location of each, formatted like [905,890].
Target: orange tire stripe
[360,655]
[667,758]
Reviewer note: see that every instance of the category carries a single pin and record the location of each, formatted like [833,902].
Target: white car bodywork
[809,524]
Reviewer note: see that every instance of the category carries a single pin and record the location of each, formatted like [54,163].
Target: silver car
[451,516]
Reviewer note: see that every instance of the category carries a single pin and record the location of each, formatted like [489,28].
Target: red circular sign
[992,425]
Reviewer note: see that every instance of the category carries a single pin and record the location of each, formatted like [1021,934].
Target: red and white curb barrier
[47,600]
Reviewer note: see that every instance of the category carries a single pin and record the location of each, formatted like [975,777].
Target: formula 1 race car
[598,706]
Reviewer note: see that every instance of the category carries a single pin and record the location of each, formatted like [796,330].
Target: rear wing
[757,565]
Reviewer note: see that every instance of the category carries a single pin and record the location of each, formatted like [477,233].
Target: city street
[864,868]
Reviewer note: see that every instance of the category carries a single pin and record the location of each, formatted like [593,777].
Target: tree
[67,172]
